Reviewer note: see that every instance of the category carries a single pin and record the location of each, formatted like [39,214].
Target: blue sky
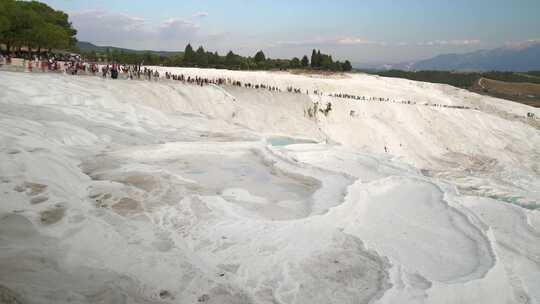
[365,31]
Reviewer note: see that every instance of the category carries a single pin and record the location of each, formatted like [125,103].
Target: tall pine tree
[189,54]
[314,59]
[200,57]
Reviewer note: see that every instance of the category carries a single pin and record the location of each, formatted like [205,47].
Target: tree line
[325,62]
[205,59]
[34,25]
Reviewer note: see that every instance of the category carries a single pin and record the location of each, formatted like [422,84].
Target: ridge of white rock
[160,192]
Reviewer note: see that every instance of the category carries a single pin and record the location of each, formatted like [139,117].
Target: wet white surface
[139,192]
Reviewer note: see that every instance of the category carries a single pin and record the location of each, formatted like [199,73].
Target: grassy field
[527,93]
[533,77]
[519,87]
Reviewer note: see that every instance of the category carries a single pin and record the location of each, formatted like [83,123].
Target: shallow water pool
[280,141]
[250,182]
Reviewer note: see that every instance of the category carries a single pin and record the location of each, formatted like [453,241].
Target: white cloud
[177,29]
[201,15]
[356,41]
[449,43]
[331,41]
[95,24]
[123,30]
[108,28]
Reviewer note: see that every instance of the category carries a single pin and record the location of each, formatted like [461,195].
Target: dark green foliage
[315,61]
[244,65]
[201,58]
[5,23]
[260,57]
[347,66]
[305,61]
[189,54]
[295,63]
[205,59]
[325,61]
[462,80]
[35,25]
[232,60]
[458,79]
[322,61]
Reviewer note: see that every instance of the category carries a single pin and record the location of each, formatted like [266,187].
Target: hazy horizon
[369,32]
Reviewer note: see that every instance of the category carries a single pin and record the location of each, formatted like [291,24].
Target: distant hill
[89,47]
[514,59]
[522,58]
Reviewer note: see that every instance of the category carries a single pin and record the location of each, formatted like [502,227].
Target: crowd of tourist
[73,65]
[382,99]
[220,81]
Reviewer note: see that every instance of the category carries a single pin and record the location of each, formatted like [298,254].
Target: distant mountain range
[521,58]
[89,47]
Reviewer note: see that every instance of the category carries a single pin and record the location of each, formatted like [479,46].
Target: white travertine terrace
[160,192]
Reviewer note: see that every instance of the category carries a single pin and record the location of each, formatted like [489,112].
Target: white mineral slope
[490,150]
[159,192]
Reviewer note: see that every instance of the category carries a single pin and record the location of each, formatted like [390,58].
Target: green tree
[189,54]
[204,58]
[326,61]
[22,24]
[56,18]
[315,63]
[34,25]
[260,57]
[232,60]
[305,62]
[337,66]
[244,65]
[214,59]
[4,19]
[295,63]
[51,36]
[200,57]
[347,66]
